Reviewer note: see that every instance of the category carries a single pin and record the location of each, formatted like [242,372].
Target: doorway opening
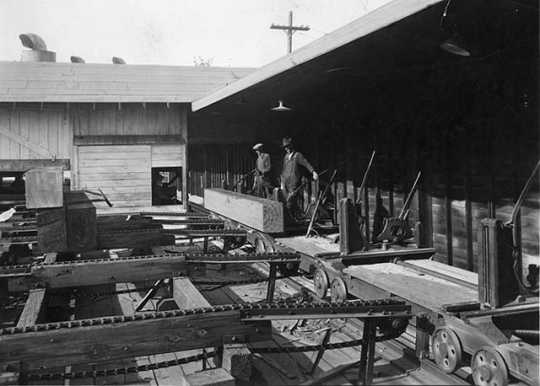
[166,186]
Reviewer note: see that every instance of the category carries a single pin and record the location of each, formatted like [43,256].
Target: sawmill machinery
[499,332]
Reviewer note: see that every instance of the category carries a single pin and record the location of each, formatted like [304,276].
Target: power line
[290,30]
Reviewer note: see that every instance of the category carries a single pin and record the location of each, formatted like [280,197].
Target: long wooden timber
[113,338]
[78,273]
[258,213]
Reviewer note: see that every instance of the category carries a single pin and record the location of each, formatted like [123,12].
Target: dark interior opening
[166,186]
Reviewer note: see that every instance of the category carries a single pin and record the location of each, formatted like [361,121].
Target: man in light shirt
[262,186]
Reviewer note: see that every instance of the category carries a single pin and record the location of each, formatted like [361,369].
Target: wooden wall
[109,119]
[35,132]
[116,147]
[100,143]
[472,129]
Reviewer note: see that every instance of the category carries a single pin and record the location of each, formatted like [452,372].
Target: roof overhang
[365,25]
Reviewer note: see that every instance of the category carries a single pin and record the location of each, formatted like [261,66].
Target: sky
[233,33]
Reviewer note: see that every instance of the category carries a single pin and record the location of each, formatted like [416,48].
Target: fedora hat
[286,142]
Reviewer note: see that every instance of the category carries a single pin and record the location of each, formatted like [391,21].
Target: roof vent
[77,59]
[38,49]
[117,60]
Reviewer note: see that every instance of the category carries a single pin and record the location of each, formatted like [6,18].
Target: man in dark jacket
[262,186]
[291,176]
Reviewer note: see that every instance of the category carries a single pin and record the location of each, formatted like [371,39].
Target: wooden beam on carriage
[258,213]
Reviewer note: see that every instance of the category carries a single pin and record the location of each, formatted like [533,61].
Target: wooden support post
[32,308]
[351,238]
[212,377]
[367,357]
[271,282]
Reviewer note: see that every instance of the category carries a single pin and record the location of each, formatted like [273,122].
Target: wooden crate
[44,188]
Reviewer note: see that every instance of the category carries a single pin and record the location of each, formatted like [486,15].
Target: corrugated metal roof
[69,82]
[379,18]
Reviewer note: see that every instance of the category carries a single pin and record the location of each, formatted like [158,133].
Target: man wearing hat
[262,186]
[291,176]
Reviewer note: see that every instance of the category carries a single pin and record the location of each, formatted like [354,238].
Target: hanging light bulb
[280,107]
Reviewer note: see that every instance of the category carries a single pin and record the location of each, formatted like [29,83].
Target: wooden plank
[417,287]
[89,273]
[445,269]
[259,213]
[212,377]
[186,295]
[144,139]
[44,188]
[32,308]
[129,339]
[23,165]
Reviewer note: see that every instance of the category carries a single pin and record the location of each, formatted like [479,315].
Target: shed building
[387,81]
[121,128]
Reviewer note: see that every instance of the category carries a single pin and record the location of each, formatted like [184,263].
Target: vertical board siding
[123,172]
[459,181]
[45,127]
[129,119]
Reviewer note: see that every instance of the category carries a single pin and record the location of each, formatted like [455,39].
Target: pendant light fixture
[281,107]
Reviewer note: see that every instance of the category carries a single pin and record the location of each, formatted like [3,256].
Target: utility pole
[289,30]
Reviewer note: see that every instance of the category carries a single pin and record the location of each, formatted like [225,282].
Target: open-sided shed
[469,122]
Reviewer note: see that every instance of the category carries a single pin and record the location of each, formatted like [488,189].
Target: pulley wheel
[488,368]
[338,290]
[446,349]
[320,282]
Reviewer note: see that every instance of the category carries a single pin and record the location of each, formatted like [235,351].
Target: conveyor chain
[194,358]
[191,258]
[119,370]
[253,311]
